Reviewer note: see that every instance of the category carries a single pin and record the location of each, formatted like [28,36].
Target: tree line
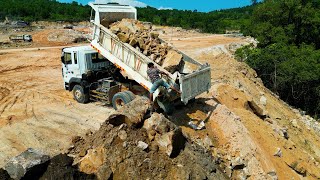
[211,22]
[52,10]
[37,10]
[288,54]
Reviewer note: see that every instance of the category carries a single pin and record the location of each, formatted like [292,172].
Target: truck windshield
[96,58]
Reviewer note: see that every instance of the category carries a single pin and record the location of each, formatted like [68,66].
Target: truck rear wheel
[130,94]
[120,99]
[79,94]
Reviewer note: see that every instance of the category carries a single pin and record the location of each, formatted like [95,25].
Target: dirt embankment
[246,120]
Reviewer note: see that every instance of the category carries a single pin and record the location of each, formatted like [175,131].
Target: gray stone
[263,100]
[142,145]
[122,135]
[294,123]
[237,163]
[278,152]
[19,166]
[259,111]
[104,172]
[285,133]
[273,175]
[166,134]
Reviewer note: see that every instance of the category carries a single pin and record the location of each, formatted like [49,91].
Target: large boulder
[132,113]
[167,136]
[172,61]
[30,163]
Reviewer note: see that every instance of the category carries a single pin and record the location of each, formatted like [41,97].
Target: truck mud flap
[194,84]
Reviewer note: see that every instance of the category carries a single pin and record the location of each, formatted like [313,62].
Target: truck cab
[81,63]
[27,37]
[89,75]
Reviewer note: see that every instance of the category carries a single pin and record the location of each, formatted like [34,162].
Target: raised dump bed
[134,63]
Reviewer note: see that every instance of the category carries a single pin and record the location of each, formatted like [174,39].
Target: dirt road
[35,110]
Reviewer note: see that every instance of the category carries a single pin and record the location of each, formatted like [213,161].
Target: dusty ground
[36,112]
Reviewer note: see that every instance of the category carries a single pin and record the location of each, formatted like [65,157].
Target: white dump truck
[109,70]
[25,37]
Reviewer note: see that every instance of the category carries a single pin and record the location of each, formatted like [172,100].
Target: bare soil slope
[229,110]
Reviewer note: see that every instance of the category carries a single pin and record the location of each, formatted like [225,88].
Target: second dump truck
[25,37]
[109,70]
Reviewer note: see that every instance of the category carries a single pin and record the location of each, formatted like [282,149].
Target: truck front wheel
[79,94]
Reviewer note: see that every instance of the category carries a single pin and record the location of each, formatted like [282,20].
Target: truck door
[70,66]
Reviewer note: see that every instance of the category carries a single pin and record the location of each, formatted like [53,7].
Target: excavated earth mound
[124,159]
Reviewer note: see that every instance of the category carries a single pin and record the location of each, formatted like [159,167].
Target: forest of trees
[52,10]
[211,22]
[36,10]
[288,54]
[287,57]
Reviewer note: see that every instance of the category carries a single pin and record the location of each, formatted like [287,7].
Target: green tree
[288,57]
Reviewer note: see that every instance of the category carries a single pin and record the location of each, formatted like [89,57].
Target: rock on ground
[27,164]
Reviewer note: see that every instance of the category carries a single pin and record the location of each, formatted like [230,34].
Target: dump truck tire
[120,99]
[130,94]
[79,95]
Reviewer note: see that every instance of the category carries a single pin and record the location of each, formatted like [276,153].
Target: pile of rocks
[142,37]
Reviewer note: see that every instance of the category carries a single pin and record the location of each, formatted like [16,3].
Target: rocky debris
[197,126]
[204,142]
[105,172]
[238,163]
[189,67]
[263,100]
[132,114]
[145,152]
[142,37]
[311,123]
[68,36]
[27,164]
[142,145]
[258,110]
[295,123]
[91,162]
[33,164]
[165,134]
[278,152]
[60,167]
[273,175]
[172,61]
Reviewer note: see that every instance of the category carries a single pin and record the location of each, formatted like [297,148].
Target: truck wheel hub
[77,93]
[119,103]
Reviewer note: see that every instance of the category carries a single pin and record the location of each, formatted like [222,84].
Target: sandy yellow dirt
[232,125]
